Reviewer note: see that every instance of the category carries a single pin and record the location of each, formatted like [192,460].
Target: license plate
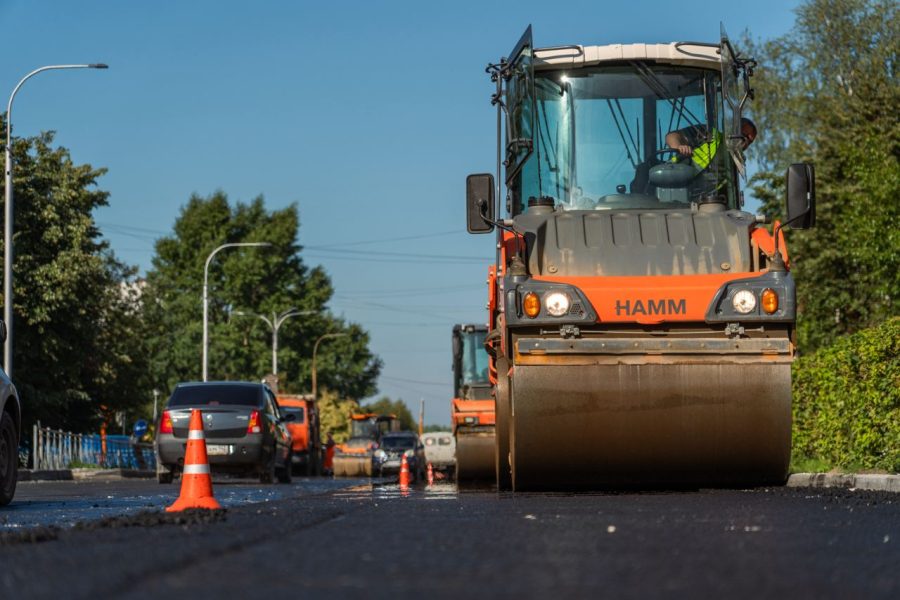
[218,449]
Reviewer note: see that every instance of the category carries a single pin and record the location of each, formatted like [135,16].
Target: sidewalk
[84,474]
[880,483]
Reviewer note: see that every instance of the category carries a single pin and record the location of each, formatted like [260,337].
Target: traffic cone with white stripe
[196,483]
[404,473]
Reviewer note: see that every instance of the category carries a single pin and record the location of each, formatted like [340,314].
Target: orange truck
[307,445]
[472,407]
[641,321]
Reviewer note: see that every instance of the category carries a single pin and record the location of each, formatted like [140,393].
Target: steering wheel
[666,151]
[672,174]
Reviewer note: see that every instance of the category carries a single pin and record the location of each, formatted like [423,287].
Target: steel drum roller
[699,422]
[475,457]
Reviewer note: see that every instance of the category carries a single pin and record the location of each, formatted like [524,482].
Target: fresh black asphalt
[375,542]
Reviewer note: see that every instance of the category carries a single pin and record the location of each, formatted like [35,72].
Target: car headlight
[557,303]
[380,454]
[408,453]
[744,301]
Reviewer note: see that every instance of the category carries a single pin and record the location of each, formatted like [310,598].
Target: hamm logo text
[665,306]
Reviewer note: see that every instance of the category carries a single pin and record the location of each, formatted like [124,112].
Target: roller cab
[472,407]
[644,321]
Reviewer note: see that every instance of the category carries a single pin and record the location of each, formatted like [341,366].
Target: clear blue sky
[369,115]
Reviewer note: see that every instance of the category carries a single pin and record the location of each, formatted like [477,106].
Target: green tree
[334,415]
[249,280]
[77,343]
[398,408]
[827,92]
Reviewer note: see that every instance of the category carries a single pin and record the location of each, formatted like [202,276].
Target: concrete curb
[84,474]
[879,483]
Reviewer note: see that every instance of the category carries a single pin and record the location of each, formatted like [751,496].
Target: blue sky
[368,115]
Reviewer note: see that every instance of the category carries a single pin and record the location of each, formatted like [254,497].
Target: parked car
[306,455]
[10,428]
[390,454]
[245,432]
[440,450]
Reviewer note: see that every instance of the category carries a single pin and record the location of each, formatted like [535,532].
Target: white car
[440,450]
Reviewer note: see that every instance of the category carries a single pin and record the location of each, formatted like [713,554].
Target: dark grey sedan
[245,433]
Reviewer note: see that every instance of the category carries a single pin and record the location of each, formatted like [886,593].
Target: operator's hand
[684,149]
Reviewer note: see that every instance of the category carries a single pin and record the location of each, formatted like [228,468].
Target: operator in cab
[694,141]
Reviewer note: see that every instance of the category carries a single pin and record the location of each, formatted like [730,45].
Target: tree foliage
[827,92]
[334,415]
[77,342]
[254,281]
[847,401]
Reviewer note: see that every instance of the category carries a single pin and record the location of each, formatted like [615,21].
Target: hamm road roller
[356,456]
[472,407]
[641,321]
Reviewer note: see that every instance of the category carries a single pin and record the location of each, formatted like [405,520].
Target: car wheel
[284,473]
[165,476]
[9,459]
[267,474]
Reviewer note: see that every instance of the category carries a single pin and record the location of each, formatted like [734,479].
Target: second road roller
[642,322]
[472,407]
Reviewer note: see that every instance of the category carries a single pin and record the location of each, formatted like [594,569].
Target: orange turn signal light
[531,304]
[769,300]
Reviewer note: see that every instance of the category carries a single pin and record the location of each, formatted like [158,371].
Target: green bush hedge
[847,401]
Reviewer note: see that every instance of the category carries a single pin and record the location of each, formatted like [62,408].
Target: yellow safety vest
[705,152]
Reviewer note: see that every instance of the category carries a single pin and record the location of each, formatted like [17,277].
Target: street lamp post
[206,295]
[275,324]
[315,390]
[8,225]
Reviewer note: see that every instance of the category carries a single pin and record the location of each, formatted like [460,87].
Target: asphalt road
[375,542]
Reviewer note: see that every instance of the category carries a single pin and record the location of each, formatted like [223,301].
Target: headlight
[557,303]
[409,453]
[380,454]
[744,301]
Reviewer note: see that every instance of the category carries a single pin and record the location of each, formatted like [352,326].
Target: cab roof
[694,54]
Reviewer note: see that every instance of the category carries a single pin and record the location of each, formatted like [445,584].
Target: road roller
[641,321]
[356,456]
[472,407]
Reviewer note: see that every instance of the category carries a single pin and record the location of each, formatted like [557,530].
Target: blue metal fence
[57,449]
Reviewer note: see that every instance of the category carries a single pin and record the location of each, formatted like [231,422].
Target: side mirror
[480,203]
[801,196]
[3,331]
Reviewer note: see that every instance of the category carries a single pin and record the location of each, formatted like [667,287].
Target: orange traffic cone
[404,473]
[196,484]
[430,475]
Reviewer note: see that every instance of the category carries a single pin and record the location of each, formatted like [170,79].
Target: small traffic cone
[196,483]
[430,475]
[404,473]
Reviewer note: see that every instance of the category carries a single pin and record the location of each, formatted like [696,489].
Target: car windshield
[298,412]
[398,441]
[599,133]
[214,395]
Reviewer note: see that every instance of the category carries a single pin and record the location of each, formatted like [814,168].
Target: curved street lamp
[315,350]
[275,324]
[8,225]
[206,296]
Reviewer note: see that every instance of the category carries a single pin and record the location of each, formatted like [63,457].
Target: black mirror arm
[777,259]
[520,239]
